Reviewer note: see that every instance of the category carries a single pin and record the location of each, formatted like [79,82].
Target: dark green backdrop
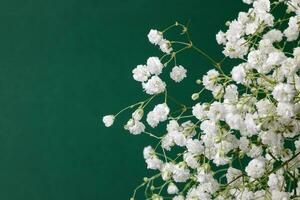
[64,64]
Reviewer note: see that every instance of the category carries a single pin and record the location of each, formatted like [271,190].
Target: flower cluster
[244,143]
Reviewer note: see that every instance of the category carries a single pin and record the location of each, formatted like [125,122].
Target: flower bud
[108,120]
[195,96]
[138,114]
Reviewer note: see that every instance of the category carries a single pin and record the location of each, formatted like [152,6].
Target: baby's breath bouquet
[243,143]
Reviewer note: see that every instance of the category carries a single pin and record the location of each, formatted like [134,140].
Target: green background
[66,63]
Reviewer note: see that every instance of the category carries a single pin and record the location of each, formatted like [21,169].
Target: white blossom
[141,73]
[256,168]
[178,73]
[155,36]
[154,85]
[108,120]
[154,65]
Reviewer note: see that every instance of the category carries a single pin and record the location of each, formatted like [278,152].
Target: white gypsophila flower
[179,138]
[173,126]
[178,73]
[191,160]
[199,111]
[154,65]
[166,171]
[141,73]
[165,46]
[275,58]
[243,17]
[154,163]
[288,68]
[255,151]
[273,35]
[234,33]
[265,107]
[256,59]
[235,121]
[232,176]
[181,173]
[276,181]
[297,82]
[285,109]
[172,189]
[293,6]
[135,127]
[266,46]
[236,49]
[220,158]
[283,92]
[250,124]
[278,195]
[238,73]
[138,114]
[195,146]
[148,152]
[154,85]
[251,28]
[296,54]
[256,168]
[244,144]
[158,114]
[155,36]
[262,6]
[216,111]
[108,120]
[292,32]
[218,91]
[221,38]
[231,94]
[152,119]
[167,142]
[209,80]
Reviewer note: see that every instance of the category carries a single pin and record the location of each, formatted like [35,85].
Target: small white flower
[199,111]
[154,65]
[262,6]
[154,163]
[154,85]
[283,92]
[148,152]
[172,189]
[165,46]
[141,73]
[210,79]
[256,168]
[155,36]
[158,114]
[181,173]
[273,35]
[178,73]
[135,127]
[195,146]
[108,120]
[278,195]
[221,38]
[238,74]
